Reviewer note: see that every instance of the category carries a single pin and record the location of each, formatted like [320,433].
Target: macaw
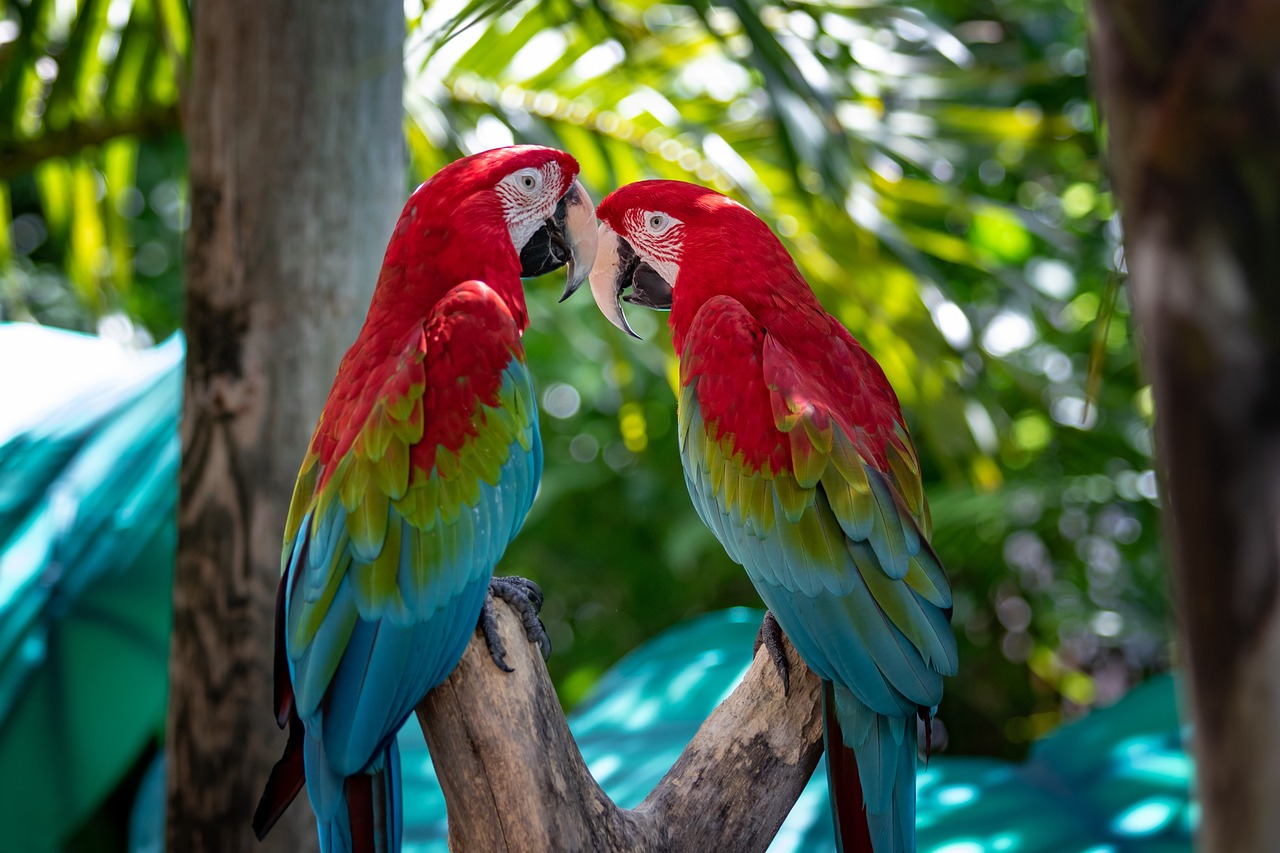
[421,469]
[797,458]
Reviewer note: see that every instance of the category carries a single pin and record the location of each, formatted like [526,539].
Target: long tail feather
[848,809]
[368,817]
[884,751]
[284,783]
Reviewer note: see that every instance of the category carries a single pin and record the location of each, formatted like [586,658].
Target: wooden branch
[514,780]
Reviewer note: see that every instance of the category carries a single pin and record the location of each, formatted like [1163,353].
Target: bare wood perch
[514,780]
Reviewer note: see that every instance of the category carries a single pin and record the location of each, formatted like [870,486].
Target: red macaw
[421,469]
[797,458]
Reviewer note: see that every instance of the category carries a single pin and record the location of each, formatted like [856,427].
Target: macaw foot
[770,636]
[526,597]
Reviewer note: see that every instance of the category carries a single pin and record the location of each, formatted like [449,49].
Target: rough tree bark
[293,117]
[1191,96]
[514,781]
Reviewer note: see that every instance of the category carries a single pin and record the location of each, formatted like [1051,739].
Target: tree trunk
[1191,92]
[293,117]
[514,781]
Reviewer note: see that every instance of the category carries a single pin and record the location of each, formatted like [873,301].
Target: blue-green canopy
[88,492]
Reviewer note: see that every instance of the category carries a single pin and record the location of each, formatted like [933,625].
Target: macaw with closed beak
[421,469]
[797,457]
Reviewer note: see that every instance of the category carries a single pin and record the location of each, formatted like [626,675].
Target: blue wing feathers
[887,536]
[926,626]
[829,544]
[385,668]
[312,671]
[360,670]
[867,612]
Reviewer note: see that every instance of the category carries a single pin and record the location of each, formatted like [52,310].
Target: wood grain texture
[1191,95]
[514,780]
[293,116]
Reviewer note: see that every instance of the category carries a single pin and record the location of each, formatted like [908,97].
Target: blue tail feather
[359,814]
[885,748]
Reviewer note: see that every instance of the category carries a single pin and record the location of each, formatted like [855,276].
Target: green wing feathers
[397,492]
[830,522]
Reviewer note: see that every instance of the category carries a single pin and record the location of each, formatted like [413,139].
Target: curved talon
[526,597]
[488,626]
[770,636]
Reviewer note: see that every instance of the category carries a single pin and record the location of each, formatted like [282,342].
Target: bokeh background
[933,166]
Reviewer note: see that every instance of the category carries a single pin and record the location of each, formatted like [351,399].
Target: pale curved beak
[578,225]
[606,275]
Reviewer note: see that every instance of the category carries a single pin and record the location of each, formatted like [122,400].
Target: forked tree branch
[514,780]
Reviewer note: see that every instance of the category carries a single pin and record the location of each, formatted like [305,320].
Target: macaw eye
[657,222]
[529,180]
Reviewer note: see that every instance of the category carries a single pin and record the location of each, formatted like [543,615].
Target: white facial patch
[659,239]
[528,199]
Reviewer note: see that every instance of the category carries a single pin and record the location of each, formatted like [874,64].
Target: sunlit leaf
[6,217]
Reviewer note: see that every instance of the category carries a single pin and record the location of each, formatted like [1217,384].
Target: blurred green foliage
[932,166]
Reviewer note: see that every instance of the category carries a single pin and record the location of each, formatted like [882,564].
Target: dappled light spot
[1007,332]
[1051,277]
[954,325]
[1152,759]
[598,60]
[605,766]
[1146,817]
[956,795]
[489,133]
[1107,623]
[561,400]
[1073,411]
[688,678]
[584,448]
[537,54]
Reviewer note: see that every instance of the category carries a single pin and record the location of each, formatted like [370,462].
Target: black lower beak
[648,288]
[547,250]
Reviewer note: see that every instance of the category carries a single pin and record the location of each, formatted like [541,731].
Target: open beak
[578,226]
[618,268]
[567,238]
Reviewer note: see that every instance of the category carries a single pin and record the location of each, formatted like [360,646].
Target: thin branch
[19,156]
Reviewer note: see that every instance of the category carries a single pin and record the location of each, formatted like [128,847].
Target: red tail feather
[286,780]
[848,809]
[361,812]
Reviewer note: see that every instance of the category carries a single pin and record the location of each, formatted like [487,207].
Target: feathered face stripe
[529,197]
[658,238]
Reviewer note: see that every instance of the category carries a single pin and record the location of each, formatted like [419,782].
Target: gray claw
[489,628]
[770,636]
[526,597]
